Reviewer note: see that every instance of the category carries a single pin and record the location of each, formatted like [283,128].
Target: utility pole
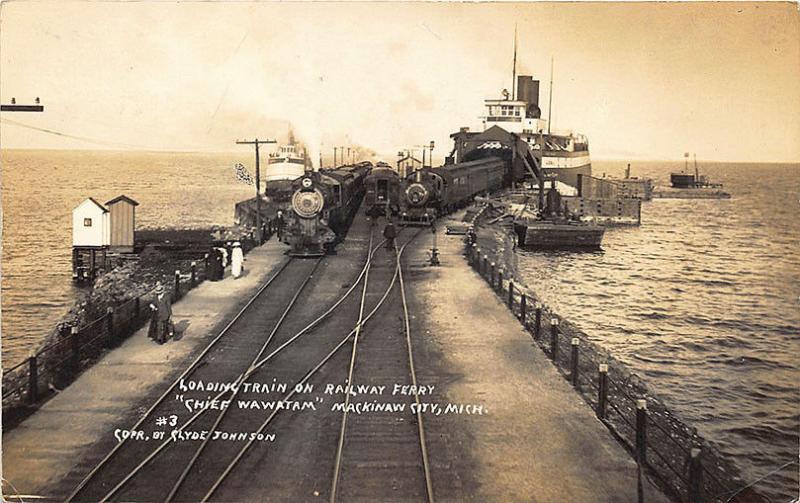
[257,142]
[550,105]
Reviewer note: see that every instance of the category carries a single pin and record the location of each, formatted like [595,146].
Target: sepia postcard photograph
[400,251]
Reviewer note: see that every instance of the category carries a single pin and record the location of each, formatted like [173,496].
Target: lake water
[704,301]
[40,189]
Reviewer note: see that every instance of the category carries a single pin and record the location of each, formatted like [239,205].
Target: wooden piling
[537,322]
[500,280]
[75,350]
[110,327]
[177,292]
[194,274]
[522,306]
[485,268]
[554,339]
[641,432]
[696,475]
[491,280]
[511,295]
[33,379]
[574,361]
[602,390]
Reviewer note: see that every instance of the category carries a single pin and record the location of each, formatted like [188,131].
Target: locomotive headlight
[307,203]
[307,183]
[417,194]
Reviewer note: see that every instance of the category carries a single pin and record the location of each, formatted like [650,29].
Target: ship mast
[514,68]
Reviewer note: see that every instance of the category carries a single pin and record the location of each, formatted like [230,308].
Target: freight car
[382,191]
[322,206]
[431,192]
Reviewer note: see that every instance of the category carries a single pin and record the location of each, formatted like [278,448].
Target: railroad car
[382,191]
[322,206]
[431,192]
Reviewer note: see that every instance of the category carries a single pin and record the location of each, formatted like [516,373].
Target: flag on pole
[243,175]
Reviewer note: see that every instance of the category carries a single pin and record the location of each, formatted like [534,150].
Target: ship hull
[569,175]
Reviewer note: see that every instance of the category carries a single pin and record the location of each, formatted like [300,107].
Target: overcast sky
[642,81]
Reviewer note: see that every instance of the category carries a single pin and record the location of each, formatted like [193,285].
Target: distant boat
[686,180]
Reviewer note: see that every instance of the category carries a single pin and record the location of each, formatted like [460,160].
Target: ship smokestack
[528,91]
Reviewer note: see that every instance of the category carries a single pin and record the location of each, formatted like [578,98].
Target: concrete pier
[539,441]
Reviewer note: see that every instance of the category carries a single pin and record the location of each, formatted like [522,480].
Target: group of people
[221,256]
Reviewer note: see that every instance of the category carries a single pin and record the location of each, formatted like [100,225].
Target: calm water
[703,300]
[40,189]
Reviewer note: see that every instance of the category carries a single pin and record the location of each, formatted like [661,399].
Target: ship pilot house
[99,233]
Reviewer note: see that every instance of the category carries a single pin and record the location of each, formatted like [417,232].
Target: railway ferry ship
[564,154]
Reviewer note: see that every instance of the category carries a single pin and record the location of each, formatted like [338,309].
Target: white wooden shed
[90,225]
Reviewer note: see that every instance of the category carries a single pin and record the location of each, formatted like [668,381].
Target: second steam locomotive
[425,194]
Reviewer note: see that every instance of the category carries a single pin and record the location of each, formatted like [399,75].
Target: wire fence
[683,464]
[56,365]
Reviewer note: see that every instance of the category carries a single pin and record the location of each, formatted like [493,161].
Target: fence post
[476,253]
[485,268]
[554,339]
[76,349]
[602,390]
[511,295]
[574,361]
[176,295]
[33,379]
[110,326]
[696,475]
[522,305]
[491,281]
[194,273]
[500,280]
[537,322]
[641,432]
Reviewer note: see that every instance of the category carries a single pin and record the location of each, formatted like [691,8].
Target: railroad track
[128,462]
[142,472]
[382,456]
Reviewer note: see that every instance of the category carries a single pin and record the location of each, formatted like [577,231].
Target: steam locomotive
[430,192]
[322,206]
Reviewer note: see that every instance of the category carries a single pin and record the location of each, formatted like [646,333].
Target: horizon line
[231,151]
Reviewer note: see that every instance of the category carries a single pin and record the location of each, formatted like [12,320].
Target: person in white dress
[237,260]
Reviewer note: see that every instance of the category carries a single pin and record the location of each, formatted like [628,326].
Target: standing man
[389,233]
[280,225]
[162,312]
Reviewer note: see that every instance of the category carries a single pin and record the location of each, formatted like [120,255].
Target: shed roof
[123,197]
[91,199]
